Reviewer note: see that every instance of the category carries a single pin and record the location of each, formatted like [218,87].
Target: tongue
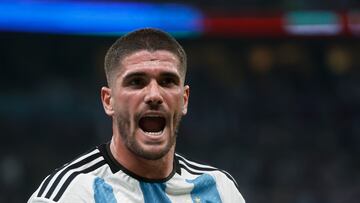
[152,124]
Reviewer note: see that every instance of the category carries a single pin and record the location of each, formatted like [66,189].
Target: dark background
[280,114]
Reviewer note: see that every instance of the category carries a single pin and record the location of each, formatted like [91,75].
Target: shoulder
[225,183]
[198,168]
[71,179]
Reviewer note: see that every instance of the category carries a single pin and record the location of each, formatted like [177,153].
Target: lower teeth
[154,133]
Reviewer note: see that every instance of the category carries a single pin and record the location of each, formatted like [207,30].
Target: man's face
[149,98]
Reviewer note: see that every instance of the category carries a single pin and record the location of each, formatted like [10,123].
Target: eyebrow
[134,74]
[143,74]
[170,74]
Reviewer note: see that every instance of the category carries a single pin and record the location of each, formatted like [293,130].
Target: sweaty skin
[149,84]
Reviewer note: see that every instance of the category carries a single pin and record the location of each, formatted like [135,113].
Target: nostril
[154,101]
[153,97]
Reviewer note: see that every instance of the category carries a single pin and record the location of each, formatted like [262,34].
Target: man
[146,99]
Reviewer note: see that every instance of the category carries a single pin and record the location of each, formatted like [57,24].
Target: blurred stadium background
[275,90]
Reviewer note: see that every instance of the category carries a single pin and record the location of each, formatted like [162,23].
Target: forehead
[147,55]
[150,60]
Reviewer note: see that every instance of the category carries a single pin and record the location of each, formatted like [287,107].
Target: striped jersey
[96,177]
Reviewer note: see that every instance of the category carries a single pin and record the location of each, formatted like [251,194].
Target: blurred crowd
[282,116]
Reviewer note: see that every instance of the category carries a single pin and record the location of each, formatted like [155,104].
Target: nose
[153,95]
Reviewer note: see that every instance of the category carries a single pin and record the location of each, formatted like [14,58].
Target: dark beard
[132,144]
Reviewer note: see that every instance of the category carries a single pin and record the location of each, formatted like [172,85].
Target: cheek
[176,101]
[129,102]
[122,102]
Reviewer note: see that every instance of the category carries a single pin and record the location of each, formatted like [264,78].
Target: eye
[136,82]
[168,81]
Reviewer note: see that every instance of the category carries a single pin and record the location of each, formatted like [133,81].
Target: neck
[150,169]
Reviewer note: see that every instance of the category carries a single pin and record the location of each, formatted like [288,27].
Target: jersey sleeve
[35,199]
[227,188]
[79,191]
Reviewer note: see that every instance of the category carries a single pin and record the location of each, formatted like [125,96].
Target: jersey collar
[116,166]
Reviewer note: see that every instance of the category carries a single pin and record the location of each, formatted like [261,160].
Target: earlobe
[106,99]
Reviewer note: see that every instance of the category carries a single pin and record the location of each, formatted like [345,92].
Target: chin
[150,151]
[154,154]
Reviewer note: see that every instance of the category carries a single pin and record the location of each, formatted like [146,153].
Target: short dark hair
[149,39]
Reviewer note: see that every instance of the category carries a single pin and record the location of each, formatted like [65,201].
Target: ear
[106,99]
[186,99]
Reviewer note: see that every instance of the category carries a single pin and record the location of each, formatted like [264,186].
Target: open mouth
[153,125]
